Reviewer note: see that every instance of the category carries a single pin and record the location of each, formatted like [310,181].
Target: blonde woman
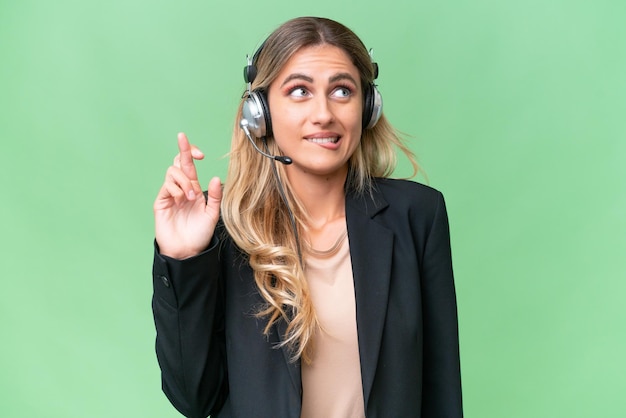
[312,285]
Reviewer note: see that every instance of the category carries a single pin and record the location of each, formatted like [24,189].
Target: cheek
[285,116]
[354,112]
[285,126]
[353,121]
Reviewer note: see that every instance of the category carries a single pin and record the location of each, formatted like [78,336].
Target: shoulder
[407,204]
[407,193]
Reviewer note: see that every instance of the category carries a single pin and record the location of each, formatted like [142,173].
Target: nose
[321,112]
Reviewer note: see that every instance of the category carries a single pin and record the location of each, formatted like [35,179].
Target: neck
[323,197]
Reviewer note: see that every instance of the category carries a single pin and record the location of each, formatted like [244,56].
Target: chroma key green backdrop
[516,110]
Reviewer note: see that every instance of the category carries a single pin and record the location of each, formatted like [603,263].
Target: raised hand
[184,220]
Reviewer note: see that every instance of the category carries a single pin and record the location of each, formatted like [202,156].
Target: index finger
[186,160]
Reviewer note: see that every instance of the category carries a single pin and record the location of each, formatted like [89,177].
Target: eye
[298,92]
[342,92]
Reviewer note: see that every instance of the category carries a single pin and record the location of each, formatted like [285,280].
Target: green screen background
[515,109]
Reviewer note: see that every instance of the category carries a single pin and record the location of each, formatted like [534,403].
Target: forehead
[319,60]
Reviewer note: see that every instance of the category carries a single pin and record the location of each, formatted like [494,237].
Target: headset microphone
[283,159]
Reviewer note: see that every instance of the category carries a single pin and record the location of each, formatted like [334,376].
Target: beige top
[331,384]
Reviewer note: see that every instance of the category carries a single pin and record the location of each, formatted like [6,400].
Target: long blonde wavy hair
[253,211]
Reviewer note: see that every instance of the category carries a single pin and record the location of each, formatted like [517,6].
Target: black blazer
[215,360]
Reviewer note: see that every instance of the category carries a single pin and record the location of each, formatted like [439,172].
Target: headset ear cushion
[367,106]
[372,106]
[266,111]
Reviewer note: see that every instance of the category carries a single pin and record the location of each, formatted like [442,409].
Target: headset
[256,118]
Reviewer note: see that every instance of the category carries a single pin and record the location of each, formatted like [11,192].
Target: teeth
[323,140]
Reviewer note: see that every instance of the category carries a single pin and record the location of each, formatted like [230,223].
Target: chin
[325,169]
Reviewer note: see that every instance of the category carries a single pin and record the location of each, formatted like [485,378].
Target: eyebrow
[297,76]
[342,76]
[333,79]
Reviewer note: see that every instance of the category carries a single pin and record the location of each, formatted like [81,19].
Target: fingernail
[191,195]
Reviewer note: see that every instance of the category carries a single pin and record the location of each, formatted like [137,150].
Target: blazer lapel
[371,247]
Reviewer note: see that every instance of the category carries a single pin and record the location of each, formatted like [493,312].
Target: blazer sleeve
[188,310]
[442,375]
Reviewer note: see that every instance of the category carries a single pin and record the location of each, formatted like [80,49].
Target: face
[316,106]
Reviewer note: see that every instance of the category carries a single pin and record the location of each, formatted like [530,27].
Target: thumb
[214,195]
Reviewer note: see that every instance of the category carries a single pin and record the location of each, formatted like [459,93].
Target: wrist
[176,253]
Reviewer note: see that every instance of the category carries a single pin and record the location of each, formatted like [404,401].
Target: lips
[324,137]
[329,140]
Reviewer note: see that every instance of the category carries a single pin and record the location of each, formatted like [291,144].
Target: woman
[313,288]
